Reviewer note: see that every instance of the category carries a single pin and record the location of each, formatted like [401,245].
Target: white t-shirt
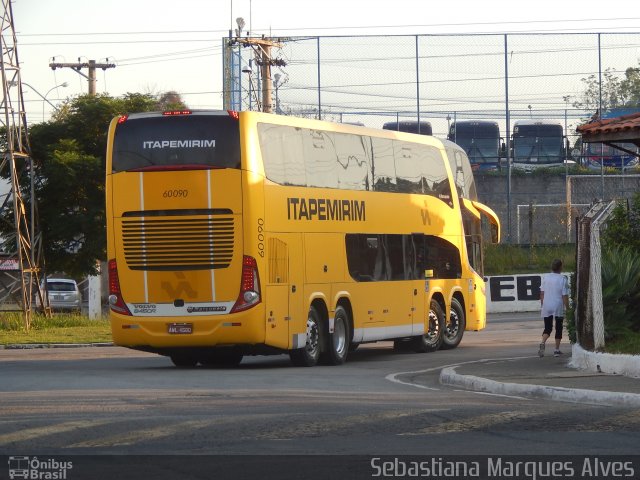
[554,286]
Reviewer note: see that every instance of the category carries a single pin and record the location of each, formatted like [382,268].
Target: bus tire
[454,329]
[337,347]
[432,339]
[309,355]
[222,357]
[184,360]
[353,346]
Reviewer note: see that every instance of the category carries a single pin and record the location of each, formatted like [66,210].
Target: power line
[345,27]
[117,42]
[182,52]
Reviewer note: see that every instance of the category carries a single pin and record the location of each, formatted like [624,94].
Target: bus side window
[442,257]
[383,166]
[354,166]
[320,158]
[366,257]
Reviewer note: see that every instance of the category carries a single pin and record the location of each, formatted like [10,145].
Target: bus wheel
[454,329]
[309,355]
[432,339]
[184,360]
[338,341]
[222,357]
[353,346]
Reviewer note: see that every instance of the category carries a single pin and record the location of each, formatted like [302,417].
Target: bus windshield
[538,143]
[479,139]
[177,142]
[479,150]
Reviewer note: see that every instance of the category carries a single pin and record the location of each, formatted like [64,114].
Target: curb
[618,364]
[448,376]
[33,346]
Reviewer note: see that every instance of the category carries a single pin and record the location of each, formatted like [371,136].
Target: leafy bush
[621,269]
[620,290]
[623,226]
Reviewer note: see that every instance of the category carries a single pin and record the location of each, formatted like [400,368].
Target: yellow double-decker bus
[233,234]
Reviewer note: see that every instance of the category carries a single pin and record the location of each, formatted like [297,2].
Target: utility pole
[91,66]
[95,281]
[23,248]
[262,51]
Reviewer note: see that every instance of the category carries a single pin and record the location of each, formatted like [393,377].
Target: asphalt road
[108,400]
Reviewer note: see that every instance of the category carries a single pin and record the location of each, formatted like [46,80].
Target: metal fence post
[600,114]
[319,99]
[507,137]
[418,81]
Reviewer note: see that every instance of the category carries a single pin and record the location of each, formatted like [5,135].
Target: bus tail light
[249,286]
[116,302]
[234,114]
[122,119]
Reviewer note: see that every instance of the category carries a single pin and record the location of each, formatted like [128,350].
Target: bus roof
[409,126]
[536,122]
[474,122]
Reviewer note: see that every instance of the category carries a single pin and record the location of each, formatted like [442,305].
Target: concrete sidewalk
[548,377]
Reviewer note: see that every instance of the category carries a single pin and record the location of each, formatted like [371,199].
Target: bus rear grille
[178,243]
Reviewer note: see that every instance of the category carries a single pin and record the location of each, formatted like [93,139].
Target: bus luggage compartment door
[283,296]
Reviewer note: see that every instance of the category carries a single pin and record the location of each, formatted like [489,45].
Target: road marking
[139,435]
[37,432]
[162,431]
[393,377]
[327,426]
[475,423]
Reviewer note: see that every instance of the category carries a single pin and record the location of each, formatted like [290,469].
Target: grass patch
[61,328]
[629,344]
[504,259]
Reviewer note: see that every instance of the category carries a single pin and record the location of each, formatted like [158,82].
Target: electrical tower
[20,251]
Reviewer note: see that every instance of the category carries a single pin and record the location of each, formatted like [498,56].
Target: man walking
[554,299]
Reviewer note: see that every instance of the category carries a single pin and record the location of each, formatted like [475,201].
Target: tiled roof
[626,124]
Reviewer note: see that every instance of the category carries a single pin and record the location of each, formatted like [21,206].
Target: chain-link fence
[443,79]
[589,312]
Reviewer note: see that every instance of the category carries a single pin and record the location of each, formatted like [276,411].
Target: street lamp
[63,85]
[44,97]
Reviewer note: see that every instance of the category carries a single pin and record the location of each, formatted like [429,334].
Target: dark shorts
[548,325]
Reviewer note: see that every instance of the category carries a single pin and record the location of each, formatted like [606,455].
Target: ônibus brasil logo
[35,469]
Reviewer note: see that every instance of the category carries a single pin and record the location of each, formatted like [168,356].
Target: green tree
[617,92]
[630,87]
[171,100]
[69,151]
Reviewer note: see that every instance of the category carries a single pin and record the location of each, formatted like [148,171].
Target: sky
[159,45]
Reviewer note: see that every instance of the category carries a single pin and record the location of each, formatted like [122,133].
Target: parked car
[64,294]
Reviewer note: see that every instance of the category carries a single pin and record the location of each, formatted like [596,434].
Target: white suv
[64,294]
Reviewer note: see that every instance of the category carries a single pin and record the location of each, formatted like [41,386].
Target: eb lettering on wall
[514,293]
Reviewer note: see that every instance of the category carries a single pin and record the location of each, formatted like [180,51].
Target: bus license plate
[180,328]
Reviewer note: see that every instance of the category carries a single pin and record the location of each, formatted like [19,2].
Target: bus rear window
[189,141]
